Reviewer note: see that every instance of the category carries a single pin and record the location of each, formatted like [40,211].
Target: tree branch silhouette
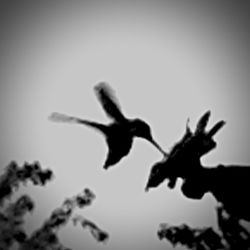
[11,215]
[228,184]
[15,175]
[231,235]
[97,233]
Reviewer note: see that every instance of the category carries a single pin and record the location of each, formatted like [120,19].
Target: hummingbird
[119,134]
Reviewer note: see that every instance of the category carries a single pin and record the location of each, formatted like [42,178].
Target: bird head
[141,129]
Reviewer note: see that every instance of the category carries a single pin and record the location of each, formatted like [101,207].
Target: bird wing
[108,100]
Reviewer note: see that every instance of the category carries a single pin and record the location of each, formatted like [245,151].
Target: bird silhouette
[120,132]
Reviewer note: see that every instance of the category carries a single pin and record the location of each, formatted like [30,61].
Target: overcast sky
[166,61]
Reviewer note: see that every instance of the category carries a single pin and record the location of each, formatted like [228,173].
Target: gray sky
[166,60]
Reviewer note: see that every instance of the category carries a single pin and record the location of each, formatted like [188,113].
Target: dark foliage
[46,236]
[97,233]
[11,222]
[228,184]
[184,158]
[11,215]
[14,175]
[231,235]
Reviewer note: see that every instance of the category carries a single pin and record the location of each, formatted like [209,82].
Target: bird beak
[158,147]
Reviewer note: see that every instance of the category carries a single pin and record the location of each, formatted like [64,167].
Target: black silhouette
[14,175]
[12,214]
[11,222]
[45,237]
[231,235]
[120,133]
[184,159]
[228,184]
[97,233]
[198,238]
[234,233]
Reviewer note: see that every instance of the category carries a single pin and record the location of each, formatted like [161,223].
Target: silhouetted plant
[11,215]
[231,235]
[234,233]
[11,222]
[228,184]
[97,233]
[14,175]
[46,236]
[184,158]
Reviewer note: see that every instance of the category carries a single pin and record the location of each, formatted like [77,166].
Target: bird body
[119,139]
[120,133]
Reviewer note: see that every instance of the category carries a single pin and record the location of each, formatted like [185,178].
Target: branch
[231,235]
[15,175]
[97,233]
[46,236]
[184,158]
